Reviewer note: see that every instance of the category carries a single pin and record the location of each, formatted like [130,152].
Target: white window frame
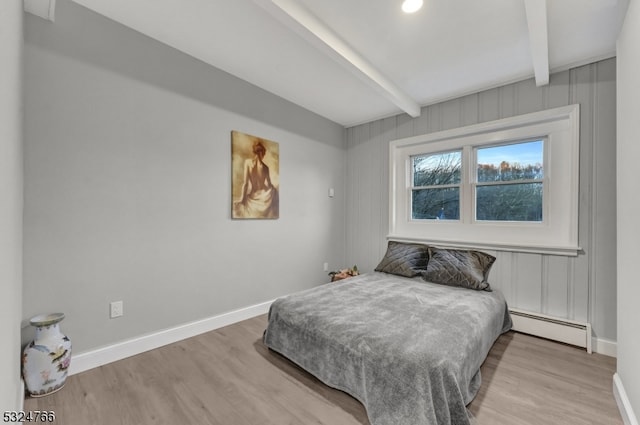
[556,234]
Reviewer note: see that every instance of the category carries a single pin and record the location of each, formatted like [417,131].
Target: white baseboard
[605,346]
[626,411]
[118,351]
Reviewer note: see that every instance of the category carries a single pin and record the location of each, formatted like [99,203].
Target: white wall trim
[605,347]
[130,347]
[628,417]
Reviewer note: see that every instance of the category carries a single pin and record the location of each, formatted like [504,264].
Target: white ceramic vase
[45,361]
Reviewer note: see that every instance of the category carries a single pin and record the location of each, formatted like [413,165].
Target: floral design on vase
[46,360]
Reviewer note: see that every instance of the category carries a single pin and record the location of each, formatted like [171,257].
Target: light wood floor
[228,377]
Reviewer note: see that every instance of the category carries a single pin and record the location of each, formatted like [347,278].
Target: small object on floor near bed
[344,273]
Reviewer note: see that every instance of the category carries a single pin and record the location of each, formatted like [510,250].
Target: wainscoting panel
[556,280]
[578,288]
[527,276]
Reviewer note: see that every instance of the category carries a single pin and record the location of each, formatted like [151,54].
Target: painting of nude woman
[256,179]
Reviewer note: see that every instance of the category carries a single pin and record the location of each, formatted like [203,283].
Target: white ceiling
[353,61]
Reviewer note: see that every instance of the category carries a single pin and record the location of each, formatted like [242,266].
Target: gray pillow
[404,259]
[454,267]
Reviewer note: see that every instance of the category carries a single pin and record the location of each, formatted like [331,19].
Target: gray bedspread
[408,350]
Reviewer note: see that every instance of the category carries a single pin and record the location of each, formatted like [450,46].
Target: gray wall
[580,288]
[628,206]
[11,46]
[127,184]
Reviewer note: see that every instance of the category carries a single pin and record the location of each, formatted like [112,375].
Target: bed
[409,350]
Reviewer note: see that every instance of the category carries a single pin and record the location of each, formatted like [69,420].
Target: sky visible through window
[529,153]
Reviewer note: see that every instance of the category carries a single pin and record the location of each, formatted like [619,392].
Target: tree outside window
[436,186]
[509,182]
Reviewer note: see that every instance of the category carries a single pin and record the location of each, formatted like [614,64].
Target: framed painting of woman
[255,164]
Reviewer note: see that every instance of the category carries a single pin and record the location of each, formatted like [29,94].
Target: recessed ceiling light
[411,6]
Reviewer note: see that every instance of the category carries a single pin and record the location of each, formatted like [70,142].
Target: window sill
[565,251]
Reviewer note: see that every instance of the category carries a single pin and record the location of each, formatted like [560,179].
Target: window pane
[438,169]
[518,161]
[510,202]
[436,204]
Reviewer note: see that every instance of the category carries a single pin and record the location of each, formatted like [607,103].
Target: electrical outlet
[116,309]
[326,267]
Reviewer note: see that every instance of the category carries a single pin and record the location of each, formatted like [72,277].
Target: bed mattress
[410,351]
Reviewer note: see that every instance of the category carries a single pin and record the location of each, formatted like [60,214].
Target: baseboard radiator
[567,331]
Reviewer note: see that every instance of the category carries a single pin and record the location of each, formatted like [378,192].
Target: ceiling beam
[312,29]
[45,9]
[538,39]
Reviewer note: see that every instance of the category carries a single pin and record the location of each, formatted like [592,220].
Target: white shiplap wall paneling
[578,288]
